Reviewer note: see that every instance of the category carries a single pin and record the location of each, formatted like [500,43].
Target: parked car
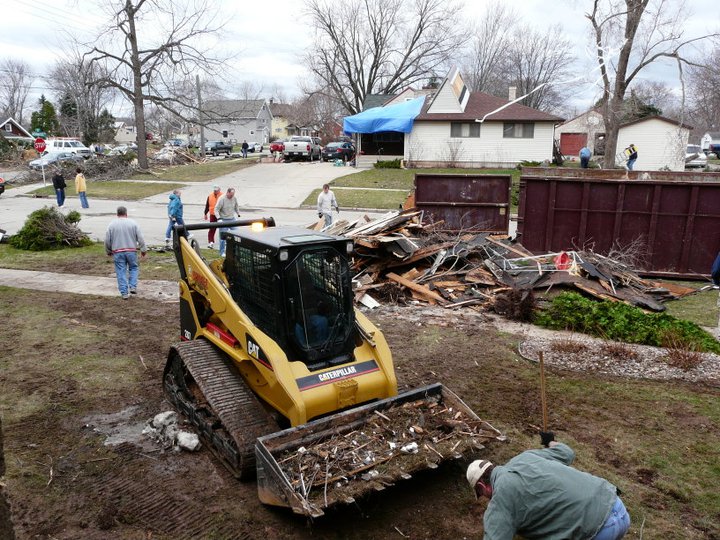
[695,157]
[60,145]
[338,150]
[217,147]
[277,146]
[255,147]
[55,159]
[303,147]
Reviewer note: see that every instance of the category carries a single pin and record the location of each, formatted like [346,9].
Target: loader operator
[538,495]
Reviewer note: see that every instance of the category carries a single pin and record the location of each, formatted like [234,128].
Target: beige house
[587,129]
[281,120]
[125,133]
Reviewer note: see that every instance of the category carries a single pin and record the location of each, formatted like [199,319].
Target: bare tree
[642,32]
[80,100]
[380,46]
[147,47]
[705,98]
[537,61]
[485,64]
[17,79]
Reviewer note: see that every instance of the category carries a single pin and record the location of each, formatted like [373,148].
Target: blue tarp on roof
[391,118]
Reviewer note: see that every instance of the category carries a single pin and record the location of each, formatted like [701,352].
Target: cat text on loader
[271,340]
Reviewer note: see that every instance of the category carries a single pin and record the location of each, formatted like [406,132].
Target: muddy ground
[71,375]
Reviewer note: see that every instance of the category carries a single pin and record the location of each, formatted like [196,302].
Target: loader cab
[295,285]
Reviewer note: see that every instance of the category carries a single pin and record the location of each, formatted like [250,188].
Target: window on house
[519,130]
[460,129]
[8,127]
[225,134]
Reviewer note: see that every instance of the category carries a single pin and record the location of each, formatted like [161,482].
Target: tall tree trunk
[138,97]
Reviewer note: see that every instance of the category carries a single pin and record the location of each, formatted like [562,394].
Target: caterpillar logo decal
[256,352]
[327,377]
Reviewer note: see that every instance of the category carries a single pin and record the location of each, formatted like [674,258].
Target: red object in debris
[39,145]
[562,261]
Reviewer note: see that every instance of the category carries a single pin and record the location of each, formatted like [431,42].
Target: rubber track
[230,400]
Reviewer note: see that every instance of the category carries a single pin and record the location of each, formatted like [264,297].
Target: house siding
[445,101]
[430,143]
[249,129]
[583,124]
[660,144]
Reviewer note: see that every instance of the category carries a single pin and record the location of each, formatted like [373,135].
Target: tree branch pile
[47,229]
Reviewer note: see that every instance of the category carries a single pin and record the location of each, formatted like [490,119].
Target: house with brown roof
[474,129]
[465,129]
[13,131]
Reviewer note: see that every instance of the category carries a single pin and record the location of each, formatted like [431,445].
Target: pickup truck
[302,147]
[217,147]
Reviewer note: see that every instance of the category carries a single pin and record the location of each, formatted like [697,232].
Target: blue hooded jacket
[175,207]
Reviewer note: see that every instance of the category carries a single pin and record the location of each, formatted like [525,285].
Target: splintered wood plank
[420,289]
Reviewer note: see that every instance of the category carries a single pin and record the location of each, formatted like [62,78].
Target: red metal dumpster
[674,216]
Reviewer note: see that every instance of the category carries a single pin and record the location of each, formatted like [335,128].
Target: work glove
[546,437]
[337,209]
[319,214]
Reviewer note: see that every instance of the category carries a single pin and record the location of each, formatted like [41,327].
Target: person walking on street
[175,214]
[537,494]
[210,203]
[325,204]
[245,147]
[226,209]
[59,184]
[585,155]
[81,187]
[122,239]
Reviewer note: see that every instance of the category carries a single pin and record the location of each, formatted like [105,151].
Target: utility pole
[200,117]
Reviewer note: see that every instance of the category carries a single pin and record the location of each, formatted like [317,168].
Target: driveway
[268,189]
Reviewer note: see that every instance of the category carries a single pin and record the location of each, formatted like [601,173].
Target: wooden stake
[543,397]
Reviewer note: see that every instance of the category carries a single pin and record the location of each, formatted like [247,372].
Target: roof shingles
[480,104]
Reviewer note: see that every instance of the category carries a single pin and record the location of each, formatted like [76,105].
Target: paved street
[268,189]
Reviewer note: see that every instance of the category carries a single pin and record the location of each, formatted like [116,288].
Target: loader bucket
[341,457]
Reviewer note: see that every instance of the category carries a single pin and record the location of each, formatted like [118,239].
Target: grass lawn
[701,308]
[401,179]
[197,172]
[123,191]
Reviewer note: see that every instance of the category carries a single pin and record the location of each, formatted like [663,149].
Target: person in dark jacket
[537,494]
[59,184]
[245,147]
[632,155]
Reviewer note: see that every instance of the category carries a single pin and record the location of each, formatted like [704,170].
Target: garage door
[571,143]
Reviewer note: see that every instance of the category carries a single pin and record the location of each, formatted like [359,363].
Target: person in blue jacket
[585,155]
[537,494]
[715,272]
[175,214]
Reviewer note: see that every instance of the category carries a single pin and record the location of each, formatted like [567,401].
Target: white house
[124,132]
[660,142]
[710,138]
[473,129]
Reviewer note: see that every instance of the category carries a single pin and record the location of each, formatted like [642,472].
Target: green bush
[392,164]
[620,322]
[47,229]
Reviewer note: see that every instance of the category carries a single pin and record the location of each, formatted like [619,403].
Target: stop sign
[39,145]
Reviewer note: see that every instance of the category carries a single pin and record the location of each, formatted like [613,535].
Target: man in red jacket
[210,211]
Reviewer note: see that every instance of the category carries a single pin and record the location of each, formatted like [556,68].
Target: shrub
[47,229]
[391,164]
[620,322]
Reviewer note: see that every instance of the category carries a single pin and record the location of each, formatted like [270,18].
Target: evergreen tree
[106,127]
[45,119]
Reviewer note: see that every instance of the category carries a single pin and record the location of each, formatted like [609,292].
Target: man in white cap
[538,495]
[210,211]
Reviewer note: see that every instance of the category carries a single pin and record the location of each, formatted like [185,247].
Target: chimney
[272,100]
[512,93]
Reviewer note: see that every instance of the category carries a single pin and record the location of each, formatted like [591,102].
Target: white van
[64,144]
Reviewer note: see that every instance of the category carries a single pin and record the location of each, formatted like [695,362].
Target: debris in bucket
[390,445]
[163,429]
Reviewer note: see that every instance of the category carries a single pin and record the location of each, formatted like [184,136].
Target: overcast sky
[270,36]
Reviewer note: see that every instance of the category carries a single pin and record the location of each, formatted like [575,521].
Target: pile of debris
[397,255]
[393,444]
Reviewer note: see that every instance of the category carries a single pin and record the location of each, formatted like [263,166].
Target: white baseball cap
[475,471]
